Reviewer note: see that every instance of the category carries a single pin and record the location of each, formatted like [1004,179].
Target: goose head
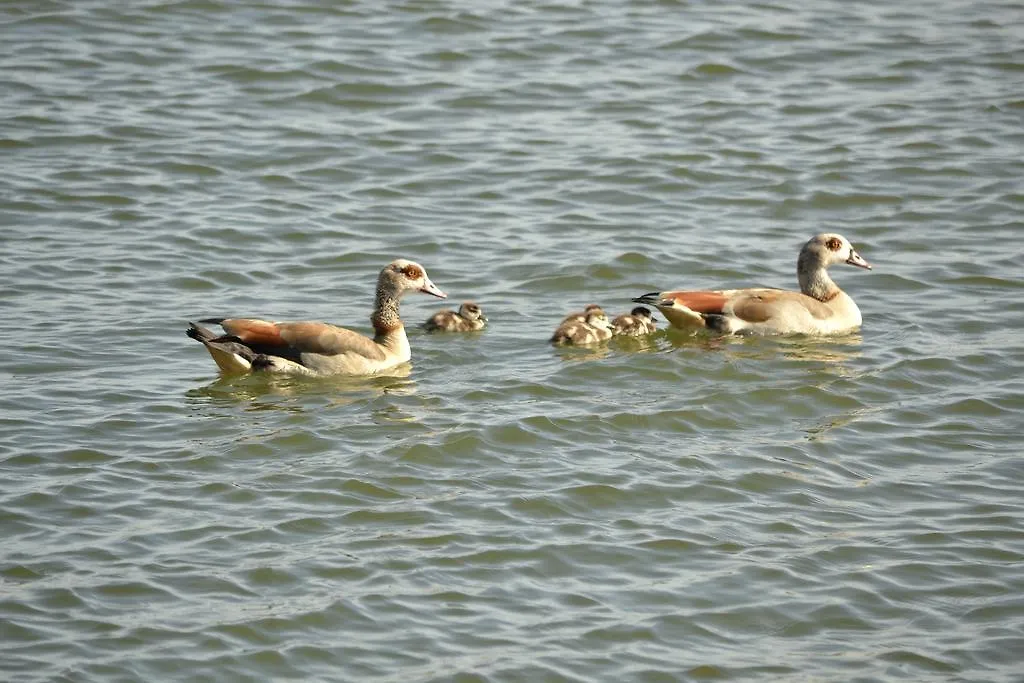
[402,276]
[823,250]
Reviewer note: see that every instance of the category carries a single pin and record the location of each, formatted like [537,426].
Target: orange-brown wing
[698,302]
[301,337]
[254,332]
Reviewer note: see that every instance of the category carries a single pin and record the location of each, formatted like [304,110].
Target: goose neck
[814,279]
[385,316]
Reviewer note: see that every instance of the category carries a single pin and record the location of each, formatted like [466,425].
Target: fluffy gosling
[469,318]
[595,328]
[636,323]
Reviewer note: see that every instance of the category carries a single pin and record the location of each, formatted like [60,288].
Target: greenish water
[682,508]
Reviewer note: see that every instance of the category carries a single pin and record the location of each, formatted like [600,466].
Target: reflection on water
[822,428]
[832,349]
[582,353]
[275,392]
[390,413]
[645,344]
[835,349]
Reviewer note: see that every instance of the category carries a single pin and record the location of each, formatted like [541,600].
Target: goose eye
[834,243]
[412,272]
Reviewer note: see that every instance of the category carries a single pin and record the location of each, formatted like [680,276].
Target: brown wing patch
[834,243]
[698,302]
[752,309]
[760,306]
[312,337]
[412,271]
[257,333]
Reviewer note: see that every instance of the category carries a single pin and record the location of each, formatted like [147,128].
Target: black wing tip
[651,298]
[200,334]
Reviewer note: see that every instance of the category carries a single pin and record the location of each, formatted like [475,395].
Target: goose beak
[856,260]
[431,289]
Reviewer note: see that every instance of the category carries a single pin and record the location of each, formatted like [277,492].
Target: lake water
[682,508]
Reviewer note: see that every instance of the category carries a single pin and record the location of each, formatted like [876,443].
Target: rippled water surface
[674,509]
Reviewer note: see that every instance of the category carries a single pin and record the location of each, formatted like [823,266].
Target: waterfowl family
[594,328]
[468,318]
[636,323]
[315,348]
[820,307]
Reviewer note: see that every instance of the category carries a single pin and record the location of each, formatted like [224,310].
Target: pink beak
[431,289]
[856,260]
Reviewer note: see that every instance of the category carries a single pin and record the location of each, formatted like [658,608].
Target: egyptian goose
[820,307]
[593,329]
[314,348]
[580,316]
[469,318]
[636,323]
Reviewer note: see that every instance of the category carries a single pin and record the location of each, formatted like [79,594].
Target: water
[684,508]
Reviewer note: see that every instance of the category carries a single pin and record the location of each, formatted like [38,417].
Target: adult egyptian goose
[581,316]
[469,318]
[593,329]
[820,307]
[314,348]
[636,323]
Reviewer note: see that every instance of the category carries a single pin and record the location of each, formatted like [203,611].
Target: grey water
[679,508]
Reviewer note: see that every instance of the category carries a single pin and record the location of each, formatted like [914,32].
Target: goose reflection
[280,392]
[582,353]
[833,351]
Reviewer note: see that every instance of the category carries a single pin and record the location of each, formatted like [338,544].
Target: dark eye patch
[834,243]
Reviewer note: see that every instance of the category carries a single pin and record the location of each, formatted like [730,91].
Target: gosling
[469,318]
[636,323]
[581,316]
[594,329]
